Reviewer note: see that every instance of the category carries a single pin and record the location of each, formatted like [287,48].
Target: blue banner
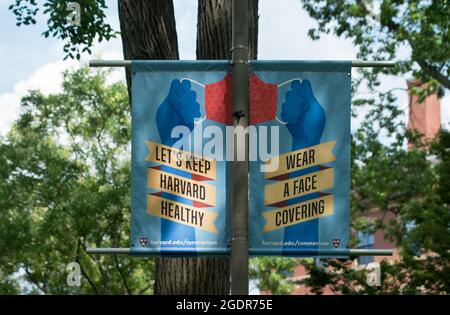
[299,196]
[179,194]
[299,157]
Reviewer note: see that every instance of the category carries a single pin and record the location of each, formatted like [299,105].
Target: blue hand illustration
[305,119]
[304,115]
[180,108]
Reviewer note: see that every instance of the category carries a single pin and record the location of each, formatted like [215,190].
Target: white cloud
[9,108]
[108,51]
[48,79]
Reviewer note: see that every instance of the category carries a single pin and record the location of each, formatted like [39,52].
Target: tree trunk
[148,32]
[214,29]
[206,275]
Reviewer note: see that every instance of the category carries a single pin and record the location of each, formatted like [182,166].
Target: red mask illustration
[218,101]
[263,101]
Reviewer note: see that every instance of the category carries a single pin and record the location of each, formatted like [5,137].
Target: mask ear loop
[200,120]
[280,85]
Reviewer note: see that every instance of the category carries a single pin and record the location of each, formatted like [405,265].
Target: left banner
[179,176]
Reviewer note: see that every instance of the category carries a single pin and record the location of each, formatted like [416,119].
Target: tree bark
[206,275]
[185,276]
[148,31]
[214,29]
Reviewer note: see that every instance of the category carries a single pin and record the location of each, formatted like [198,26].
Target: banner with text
[179,192]
[299,195]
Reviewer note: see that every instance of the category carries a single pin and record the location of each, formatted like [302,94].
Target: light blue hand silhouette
[180,108]
[304,115]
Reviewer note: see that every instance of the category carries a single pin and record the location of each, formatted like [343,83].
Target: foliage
[408,186]
[272,273]
[77,38]
[64,186]
[422,27]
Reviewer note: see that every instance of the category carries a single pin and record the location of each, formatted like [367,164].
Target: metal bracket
[245,62]
[239,47]
[239,238]
[246,48]
[238,115]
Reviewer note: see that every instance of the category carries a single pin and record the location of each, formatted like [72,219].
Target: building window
[366,240]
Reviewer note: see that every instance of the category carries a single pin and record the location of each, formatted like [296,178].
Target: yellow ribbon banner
[303,158]
[181,186]
[298,213]
[181,160]
[298,186]
[181,213]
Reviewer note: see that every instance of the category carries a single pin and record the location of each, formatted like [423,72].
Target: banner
[180,198]
[299,195]
[299,157]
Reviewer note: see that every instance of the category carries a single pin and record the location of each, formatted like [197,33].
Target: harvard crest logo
[336,242]
[143,241]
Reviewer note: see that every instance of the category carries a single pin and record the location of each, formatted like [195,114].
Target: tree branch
[32,279]
[427,68]
[435,73]
[83,272]
[124,279]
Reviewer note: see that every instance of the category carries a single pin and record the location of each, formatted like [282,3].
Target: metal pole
[240,100]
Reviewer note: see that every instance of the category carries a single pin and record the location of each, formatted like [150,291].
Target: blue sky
[30,61]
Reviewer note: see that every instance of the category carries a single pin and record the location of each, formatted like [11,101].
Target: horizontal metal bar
[353,252]
[368,64]
[126,63]
[146,252]
[108,251]
[338,252]
[109,63]
[370,252]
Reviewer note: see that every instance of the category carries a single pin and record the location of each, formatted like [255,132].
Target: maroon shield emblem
[143,241]
[336,242]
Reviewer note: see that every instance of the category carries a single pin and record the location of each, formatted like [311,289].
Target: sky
[30,61]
